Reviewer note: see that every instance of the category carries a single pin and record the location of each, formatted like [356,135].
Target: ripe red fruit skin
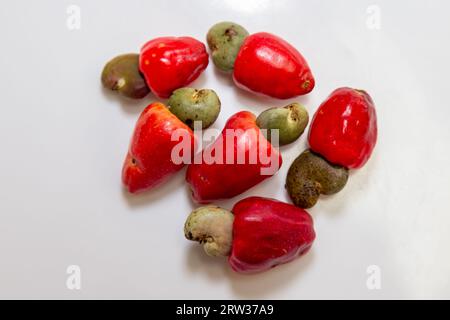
[344,128]
[267,233]
[148,162]
[214,181]
[269,65]
[169,63]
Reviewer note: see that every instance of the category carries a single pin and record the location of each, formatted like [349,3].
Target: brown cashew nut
[212,227]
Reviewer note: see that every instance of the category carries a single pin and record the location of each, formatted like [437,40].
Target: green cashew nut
[122,74]
[311,175]
[290,120]
[191,105]
[224,40]
[212,227]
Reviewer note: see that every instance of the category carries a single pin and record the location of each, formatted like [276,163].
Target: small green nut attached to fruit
[191,105]
[122,74]
[212,227]
[290,121]
[224,40]
[310,175]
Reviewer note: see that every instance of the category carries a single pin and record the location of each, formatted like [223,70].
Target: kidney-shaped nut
[122,74]
[311,175]
[224,40]
[191,105]
[212,227]
[290,121]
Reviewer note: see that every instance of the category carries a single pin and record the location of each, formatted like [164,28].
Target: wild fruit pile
[258,233]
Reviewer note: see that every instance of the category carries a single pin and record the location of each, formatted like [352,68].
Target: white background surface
[63,139]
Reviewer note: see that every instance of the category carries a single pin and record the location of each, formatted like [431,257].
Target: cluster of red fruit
[260,233]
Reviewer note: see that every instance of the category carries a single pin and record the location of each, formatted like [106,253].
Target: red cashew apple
[240,158]
[269,65]
[344,128]
[258,234]
[169,63]
[149,159]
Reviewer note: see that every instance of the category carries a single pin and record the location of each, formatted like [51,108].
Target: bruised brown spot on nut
[119,84]
[213,46]
[122,75]
[189,122]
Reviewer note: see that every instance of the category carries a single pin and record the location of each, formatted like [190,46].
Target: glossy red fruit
[169,63]
[269,65]
[253,159]
[344,128]
[149,159]
[267,233]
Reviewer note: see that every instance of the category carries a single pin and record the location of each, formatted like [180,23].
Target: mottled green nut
[311,175]
[122,74]
[224,40]
[212,227]
[191,105]
[290,121]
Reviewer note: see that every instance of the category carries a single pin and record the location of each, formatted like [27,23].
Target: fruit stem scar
[119,84]
[230,32]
